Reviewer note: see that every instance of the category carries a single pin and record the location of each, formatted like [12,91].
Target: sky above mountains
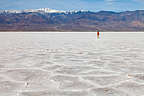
[93,5]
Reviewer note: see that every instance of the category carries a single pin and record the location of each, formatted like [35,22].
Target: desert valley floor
[71,64]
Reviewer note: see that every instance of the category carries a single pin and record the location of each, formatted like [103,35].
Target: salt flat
[71,64]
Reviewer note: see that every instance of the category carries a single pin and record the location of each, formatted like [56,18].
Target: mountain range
[46,19]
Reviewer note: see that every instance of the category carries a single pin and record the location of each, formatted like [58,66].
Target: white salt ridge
[71,64]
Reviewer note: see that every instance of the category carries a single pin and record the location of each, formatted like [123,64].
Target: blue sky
[93,5]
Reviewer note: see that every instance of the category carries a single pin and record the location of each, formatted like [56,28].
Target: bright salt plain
[71,64]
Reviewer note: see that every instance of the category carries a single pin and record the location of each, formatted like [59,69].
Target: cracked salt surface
[71,64]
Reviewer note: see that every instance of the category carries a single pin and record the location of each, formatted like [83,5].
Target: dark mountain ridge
[73,21]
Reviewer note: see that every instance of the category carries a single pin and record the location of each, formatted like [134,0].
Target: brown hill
[76,21]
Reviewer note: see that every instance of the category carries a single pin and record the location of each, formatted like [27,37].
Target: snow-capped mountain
[45,10]
[36,19]
[10,11]
[42,10]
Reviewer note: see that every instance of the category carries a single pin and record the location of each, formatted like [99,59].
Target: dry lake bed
[71,64]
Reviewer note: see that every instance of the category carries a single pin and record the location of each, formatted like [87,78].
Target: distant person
[98,34]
